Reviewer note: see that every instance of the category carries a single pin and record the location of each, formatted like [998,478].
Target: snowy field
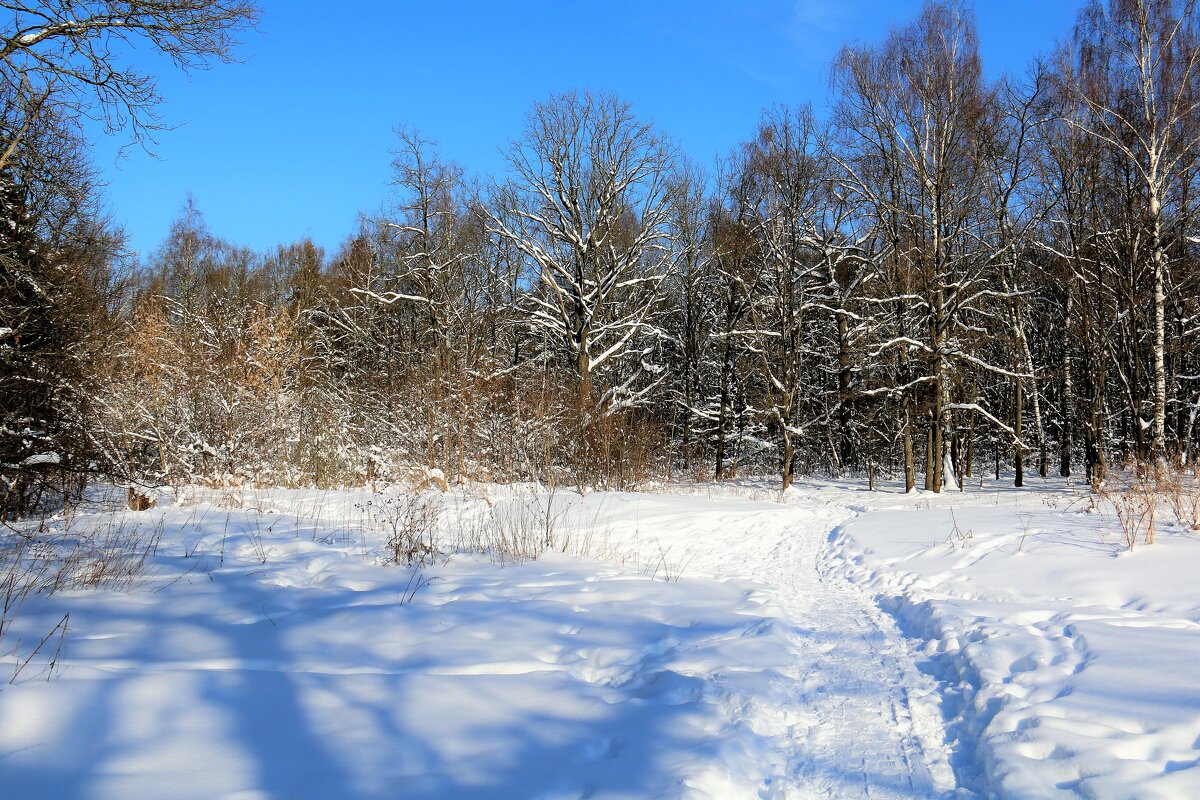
[698,642]
[1070,664]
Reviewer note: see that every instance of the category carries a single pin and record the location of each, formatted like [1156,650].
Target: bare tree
[690,294]
[589,208]
[56,252]
[782,167]
[733,228]
[913,114]
[69,49]
[1008,157]
[1137,71]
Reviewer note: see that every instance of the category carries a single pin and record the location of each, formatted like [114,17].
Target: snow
[41,458]
[696,642]
[1067,661]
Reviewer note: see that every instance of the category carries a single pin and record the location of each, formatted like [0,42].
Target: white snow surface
[700,642]
[1069,664]
[268,655]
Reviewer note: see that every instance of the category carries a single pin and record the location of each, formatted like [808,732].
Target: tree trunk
[970,457]
[930,457]
[726,368]
[1159,443]
[1095,437]
[788,456]
[1018,450]
[910,466]
[940,419]
[1064,425]
[844,377]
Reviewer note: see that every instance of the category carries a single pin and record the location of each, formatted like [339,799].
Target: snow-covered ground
[699,642]
[1070,664]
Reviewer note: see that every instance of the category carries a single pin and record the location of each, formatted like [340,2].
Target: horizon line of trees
[946,275]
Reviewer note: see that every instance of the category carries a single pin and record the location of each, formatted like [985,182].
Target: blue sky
[295,140]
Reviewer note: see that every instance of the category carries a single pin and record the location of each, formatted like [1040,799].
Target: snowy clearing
[715,644]
[1068,661]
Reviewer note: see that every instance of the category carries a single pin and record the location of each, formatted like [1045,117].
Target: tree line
[942,275]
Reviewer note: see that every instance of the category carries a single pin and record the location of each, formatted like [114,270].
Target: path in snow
[855,716]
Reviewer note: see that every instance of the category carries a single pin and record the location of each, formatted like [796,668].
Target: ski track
[857,718]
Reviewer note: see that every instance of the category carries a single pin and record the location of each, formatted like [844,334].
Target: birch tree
[1136,68]
[913,112]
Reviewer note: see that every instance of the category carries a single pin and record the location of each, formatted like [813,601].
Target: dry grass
[1181,490]
[1134,496]
[527,524]
[1137,495]
[663,566]
[410,522]
[65,555]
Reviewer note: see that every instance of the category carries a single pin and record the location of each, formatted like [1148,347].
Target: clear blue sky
[295,141]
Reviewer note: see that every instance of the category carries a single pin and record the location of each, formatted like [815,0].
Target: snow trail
[853,714]
[1066,661]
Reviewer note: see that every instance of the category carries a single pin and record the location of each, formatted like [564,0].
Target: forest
[930,278]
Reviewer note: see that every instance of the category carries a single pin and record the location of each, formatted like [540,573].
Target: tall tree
[589,207]
[56,250]
[912,113]
[1135,67]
